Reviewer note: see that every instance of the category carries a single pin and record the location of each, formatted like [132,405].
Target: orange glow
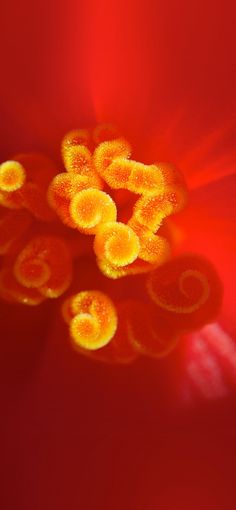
[92,318]
[90,208]
[124,205]
[12,176]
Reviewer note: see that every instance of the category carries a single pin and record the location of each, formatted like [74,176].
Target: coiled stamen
[45,264]
[24,182]
[117,244]
[12,176]
[91,208]
[187,289]
[124,204]
[92,318]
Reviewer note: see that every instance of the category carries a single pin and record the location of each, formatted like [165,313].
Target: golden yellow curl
[97,159]
[92,319]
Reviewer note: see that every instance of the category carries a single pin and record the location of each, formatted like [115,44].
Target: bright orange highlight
[117,244]
[116,209]
[91,208]
[12,176]
[92,318]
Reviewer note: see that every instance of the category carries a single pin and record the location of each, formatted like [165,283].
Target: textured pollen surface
[112,211]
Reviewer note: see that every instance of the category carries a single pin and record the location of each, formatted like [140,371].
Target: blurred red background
[76,434]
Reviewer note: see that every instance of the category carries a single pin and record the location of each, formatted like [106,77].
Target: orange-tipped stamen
[123,203]
[12,176]
[94,320]
[44,264]
[91,208]
[117,244]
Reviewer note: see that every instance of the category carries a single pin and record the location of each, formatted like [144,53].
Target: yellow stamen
[117,244]
[91,208]
[94,319]
[12,176]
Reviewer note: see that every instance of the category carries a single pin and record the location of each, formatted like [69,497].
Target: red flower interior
[113,210]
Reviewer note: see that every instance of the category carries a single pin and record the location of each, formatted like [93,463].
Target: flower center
[115,209]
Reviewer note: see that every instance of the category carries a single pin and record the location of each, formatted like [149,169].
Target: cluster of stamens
[120,205]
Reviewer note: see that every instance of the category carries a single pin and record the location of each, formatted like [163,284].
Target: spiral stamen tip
[117,244]
[91,208]
[12,176]
[123,203]
[92,319]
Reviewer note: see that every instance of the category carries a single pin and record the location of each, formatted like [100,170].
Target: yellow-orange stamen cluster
[81,198]
[34,267]
[123,204]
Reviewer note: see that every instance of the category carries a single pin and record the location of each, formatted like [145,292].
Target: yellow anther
[12,176]
[79,161]
[106,152]
[61,191]
[91,208]
[28,177]
[150,211]
[119,349]
[94,319]
[118,173]
[134,176]
[181,294]
[117,244]
[84,329]
[145,179]
[154,249]
[73,139]
[137,267]
[170,175]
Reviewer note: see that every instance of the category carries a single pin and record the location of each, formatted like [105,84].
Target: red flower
[76,432]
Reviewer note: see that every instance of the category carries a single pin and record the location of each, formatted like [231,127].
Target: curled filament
[105,154]
[117,244]
[92,319]
[24,182]
[77,156]
[44,264]
[74,138]
[91,208]
[187,290]
[162,193]
[62,190]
